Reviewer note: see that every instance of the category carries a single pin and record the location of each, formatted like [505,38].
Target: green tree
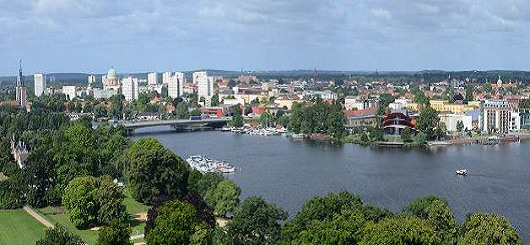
[178,222]
[441,219]
[181,111]
[59,236]
[206,183]
[153,170]
[483,228]
[224,198]
[469,93]
[399,230]
[364,138]
[237,118]
[460,126]
[215,99]
[114,234]
[255,222]
[91,200]
[420,206]
[428,121]
[441,130]
[406,135]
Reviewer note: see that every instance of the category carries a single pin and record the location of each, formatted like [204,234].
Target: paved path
[39,218]
[137,237]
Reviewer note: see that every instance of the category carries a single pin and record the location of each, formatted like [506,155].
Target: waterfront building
[361,118]
[445,106]
[175,85]
[515,122]
[451,121]
[395,123]
[40,83]
[524,114]
[130,89]
[91,80]
[111,80]
[152,78]
[21,93]
[70,92]
[166,77]
[497,116]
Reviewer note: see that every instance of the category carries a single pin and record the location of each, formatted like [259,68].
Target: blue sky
[178,35]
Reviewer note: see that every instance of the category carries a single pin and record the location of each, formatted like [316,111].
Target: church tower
[21,93]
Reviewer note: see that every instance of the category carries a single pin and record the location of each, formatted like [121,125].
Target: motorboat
[462,172]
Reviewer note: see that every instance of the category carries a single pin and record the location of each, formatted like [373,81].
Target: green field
[18,227]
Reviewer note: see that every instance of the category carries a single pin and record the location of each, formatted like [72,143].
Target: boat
[462,172]
[207,165]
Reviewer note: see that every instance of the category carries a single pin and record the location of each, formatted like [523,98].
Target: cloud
[382,13]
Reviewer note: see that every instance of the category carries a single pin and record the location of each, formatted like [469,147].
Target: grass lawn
[2,176]
[18,227]
[133,207]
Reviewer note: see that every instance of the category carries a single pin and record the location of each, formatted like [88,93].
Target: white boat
[462,172]
[207,165]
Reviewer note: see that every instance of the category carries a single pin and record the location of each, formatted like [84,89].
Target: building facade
[70,92]
[166,77]
[497,116]
[130,89]
[152,78]
[175,85]
[40,84]
[111,80]
[451,121]
[91,80]
[205,87]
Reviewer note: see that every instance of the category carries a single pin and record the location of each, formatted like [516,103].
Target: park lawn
[18,227]
[133,207]
[58,215]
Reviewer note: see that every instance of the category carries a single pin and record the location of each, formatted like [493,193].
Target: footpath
[37,216]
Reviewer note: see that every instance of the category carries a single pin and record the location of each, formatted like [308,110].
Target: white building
[130,89]
[166,77]
[451,121]
[198,76]
[325,95]
[40,83]
[205,86]
[175,85]
[515,122]
[91,80]
[105,94]
[497,116]
[104,80]
[399,105]
[152,78]
[70,92]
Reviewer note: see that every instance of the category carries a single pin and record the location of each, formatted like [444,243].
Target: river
[288,173]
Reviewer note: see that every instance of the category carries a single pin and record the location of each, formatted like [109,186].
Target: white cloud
[381,13]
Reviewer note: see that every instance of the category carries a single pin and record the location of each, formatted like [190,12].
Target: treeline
[318,117]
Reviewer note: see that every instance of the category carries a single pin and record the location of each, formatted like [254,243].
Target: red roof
[360,113]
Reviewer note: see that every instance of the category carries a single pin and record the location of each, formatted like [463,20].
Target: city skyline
[138,36]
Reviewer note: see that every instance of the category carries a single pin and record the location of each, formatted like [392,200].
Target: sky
[182,35]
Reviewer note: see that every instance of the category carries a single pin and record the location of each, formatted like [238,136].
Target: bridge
[178,124]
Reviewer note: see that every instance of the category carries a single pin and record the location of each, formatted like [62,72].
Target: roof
[360,113]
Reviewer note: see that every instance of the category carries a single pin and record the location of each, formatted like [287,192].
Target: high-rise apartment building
[130,89]
[175,89]
[152,78]
[40,83]
[21,93]
[205,86]
[166,77]
[91,80]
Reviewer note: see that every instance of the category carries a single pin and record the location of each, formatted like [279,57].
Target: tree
[59,236]
[153,170]
[441,130]
[483,228]
[364,138]
[181,111]
[399,230]
[428,121]
[115,234]
[215,99]
[237,118]
[459,126]
[91,200]
[469,93]
[441,219]
[405,135]
[256,222]
[420,206]
[224,198]
[178,222]
[205,183]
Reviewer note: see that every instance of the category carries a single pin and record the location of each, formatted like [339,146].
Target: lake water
[288,173]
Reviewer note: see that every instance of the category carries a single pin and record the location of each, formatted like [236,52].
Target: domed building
[110,81]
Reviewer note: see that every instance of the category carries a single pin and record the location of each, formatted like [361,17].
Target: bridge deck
[141,124]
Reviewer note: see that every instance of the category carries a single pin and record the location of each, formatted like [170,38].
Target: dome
[112,72]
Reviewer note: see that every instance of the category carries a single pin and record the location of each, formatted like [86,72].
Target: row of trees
[319,117]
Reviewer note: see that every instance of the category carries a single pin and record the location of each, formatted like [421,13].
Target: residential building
[445,106]
[91,80]
[524,114]
[451,121]
[175,85]
[152,78]
[515,122]
[351,103]
[325,95]
[205,87]
[198,76]
[497,116]
[40,83]
[166,77]
[130,89]
[70,92]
